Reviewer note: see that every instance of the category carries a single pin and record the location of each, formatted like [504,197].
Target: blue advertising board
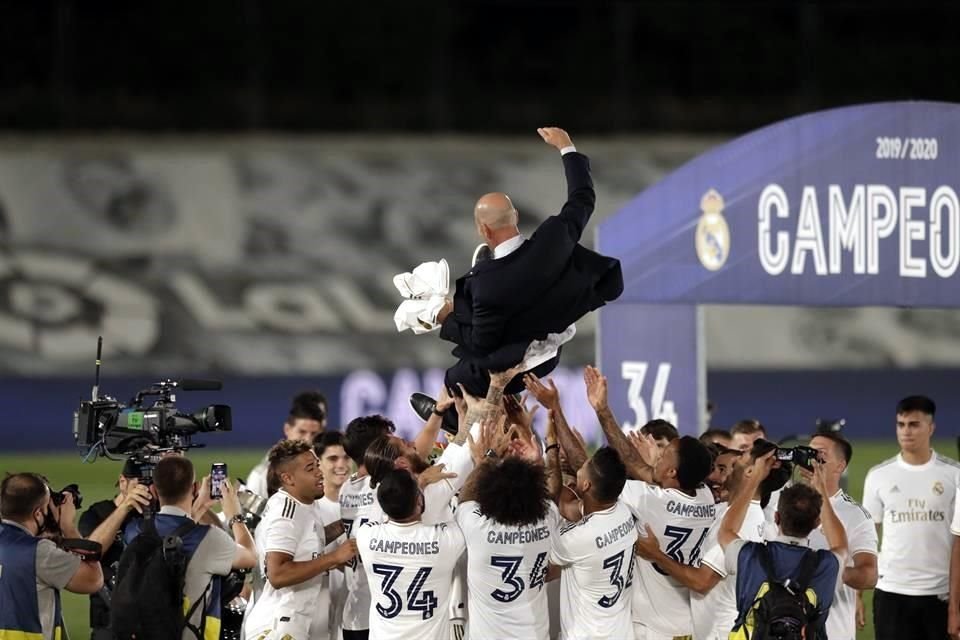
[849,207]
[648,357]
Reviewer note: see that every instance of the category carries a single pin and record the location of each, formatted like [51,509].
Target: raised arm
[554,475]
[549,397]
[740,502]
[137,497]
[637,467]
[833,529]
[425,440]
[581,197]
[472,410]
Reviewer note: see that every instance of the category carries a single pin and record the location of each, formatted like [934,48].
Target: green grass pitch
[97,483]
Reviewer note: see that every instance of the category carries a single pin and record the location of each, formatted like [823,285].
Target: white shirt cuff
[566,150]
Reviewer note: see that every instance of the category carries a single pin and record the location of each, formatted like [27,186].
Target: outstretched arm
[637,467]
[431,430]
[581,197]
[554,475]
[549,397]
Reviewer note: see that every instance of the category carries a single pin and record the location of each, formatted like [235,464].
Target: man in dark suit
[525,290]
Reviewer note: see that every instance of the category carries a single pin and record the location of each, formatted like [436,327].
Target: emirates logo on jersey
[938,488]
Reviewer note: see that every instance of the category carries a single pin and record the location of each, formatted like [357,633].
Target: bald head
[496,219]
[496,211]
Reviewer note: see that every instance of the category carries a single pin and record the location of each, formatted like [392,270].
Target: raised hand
[555,137]
[517,412]
[549,397]
[136,498]
[646,445]
[596,384]
[444,400]
[486,440]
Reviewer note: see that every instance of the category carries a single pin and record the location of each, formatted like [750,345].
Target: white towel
[427,280]
[425,290]
[411,313]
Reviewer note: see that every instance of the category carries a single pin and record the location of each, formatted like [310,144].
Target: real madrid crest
[713,235]
[938,488]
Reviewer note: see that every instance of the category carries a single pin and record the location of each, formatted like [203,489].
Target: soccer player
[335,468]
[723,462]
[787,556]
[307,419]
[713,598]
[596,554]
[860,571]
[290,539]
[408,564]
[356,501]
[509,522]
[912,497]
[667,494]
[745,432]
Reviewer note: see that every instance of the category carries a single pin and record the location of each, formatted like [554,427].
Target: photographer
[784,588]
[210,552]
[34,570]
[96,515]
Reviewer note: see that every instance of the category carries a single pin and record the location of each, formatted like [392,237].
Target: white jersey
[715,612]
[438,497]
[861,538]
[356,501]
[410,568]
[330,604]
[681,523]
[914,503]
[597,579]
[293,528]
[506,572]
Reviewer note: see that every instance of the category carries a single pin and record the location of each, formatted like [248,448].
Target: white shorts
[643,632]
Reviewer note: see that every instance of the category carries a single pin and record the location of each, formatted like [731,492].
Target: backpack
[147,602]
[783,611]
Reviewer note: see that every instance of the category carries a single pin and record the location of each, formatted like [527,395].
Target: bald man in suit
[525,290]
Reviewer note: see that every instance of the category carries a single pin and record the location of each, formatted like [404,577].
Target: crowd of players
[502,532]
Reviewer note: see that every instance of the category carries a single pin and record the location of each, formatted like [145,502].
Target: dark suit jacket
[543,287]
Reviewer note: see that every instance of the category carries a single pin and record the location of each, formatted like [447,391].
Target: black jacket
[547,284]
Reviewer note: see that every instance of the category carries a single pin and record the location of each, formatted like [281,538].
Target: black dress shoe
[423,405]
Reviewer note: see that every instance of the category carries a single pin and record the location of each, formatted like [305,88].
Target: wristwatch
[237,519]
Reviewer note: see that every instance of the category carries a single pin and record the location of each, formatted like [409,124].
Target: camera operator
[211,553]
[860,571]
[34,570]
[307,419]
[98,513]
